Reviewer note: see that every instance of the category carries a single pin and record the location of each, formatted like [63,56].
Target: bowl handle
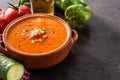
[74,36]
[2,48]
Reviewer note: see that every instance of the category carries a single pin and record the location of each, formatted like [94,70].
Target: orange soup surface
[37,35]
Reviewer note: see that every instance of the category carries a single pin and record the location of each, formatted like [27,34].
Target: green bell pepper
[77,12]
[24,1]
[63,4]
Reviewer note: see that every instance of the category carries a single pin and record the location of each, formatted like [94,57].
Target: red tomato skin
[2,23]
[24,10]
[10,15]
[2,26]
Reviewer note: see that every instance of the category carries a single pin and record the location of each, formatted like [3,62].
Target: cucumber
[10,69]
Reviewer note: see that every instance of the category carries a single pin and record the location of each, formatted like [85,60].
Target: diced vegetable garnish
[36,34]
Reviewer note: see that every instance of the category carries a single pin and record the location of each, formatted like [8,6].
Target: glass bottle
[43,6]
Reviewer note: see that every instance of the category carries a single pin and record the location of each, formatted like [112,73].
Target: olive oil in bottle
[43,6]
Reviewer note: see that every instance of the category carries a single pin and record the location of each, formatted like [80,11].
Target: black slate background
[96,54]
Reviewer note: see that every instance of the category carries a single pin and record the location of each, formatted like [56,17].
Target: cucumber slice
[10,69]
[15,72]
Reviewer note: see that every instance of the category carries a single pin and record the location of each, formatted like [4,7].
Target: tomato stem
[14,7]
[19,3]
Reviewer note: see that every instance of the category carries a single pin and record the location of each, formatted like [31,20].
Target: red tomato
[10,15]
[14,12]
[2,23]
[24,10]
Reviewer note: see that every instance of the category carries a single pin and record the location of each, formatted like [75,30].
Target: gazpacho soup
[36,35]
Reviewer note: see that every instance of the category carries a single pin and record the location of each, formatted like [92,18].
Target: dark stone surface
[96,55]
